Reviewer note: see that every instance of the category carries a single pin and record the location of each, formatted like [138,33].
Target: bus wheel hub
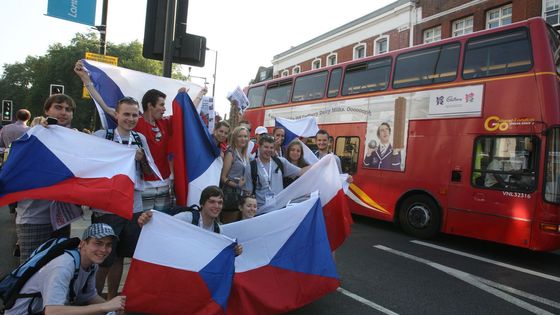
[419,216]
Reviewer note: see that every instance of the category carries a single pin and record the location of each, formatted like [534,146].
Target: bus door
[491,192]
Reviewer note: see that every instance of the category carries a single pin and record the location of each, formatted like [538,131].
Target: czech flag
[323,176]
[196,160]
[179,268]
[113,83]
[305,127]
[286,261]
[58,163]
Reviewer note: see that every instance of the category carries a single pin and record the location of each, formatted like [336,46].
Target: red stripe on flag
[177,143]
[160,290]
[337,219]
[114,194]
[271,290]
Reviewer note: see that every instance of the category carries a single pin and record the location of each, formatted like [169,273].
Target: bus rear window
[427,66]
[367,77]
[278,93]
[310,87]
[498,54]
[256,96]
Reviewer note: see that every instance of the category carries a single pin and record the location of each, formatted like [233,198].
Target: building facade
[404,23]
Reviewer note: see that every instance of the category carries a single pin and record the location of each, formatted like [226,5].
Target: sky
[245,33]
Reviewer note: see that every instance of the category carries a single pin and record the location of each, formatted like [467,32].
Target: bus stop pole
[168,39]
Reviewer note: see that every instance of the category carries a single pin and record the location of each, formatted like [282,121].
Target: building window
[359,51]
[462,26]
[552,12]
[296,70]
[316,64]
[381,45]
[432,35]
[331,59]
[498,17]
[285,73]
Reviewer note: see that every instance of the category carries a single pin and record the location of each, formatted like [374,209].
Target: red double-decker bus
[461,136]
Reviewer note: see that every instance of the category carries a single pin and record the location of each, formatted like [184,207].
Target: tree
[27,83]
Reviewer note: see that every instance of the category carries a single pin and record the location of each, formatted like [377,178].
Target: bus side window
[505,163]
[334,82]
[346,149]
[310,87]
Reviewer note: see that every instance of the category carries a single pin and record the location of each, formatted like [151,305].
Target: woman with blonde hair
[233,173]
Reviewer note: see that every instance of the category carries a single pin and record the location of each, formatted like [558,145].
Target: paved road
[384,271]
[394,273]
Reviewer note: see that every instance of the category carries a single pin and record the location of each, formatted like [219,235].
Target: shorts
[128,232]
[30,236]
[157,198]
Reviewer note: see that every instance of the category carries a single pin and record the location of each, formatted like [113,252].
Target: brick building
[404,23]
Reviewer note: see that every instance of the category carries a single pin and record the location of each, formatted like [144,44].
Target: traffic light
[7,108]
[57,89]
[189,49]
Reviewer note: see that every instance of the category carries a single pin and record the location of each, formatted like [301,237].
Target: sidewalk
[78,228]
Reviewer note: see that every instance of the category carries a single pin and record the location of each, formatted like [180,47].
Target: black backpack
[110,135]
[12,283]
[255,172]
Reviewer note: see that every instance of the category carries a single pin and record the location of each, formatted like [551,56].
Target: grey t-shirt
[269,179]
[33,211]
[187,217]
[137,192]
[53,282]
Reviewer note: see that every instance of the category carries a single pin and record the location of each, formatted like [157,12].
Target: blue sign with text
[79,11]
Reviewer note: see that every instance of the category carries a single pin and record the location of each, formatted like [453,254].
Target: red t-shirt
[158,141]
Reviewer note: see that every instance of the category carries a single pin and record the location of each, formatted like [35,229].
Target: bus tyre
[420,216]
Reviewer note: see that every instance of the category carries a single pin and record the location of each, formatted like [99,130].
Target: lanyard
[268,174]
[243,161]
[119,139]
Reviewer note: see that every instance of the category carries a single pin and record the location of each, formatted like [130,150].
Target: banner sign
[79,11]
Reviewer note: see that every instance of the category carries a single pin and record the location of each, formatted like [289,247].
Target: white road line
[470,279]
[520,293]
[366,302]
[490,261]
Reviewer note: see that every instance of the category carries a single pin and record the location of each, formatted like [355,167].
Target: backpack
[255,174]
[12,283]
[110,135]
[195,210]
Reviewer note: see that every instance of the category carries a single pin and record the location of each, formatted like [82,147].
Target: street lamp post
[215,69]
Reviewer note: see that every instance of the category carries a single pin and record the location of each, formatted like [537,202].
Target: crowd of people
[253,173]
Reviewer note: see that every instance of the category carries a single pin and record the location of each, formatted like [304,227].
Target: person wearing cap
[258,133]
[54,279]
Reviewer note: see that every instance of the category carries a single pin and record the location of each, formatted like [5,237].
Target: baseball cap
[99,230]
[260,130]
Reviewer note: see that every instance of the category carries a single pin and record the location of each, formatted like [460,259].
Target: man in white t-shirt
[53,281]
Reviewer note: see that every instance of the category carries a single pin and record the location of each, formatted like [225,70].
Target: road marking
[490,261]
[366,302]
[470,279]
[520,293]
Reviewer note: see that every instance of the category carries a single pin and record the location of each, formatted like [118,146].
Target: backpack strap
[110,134]
[279,164]
[254,175]
[76,256]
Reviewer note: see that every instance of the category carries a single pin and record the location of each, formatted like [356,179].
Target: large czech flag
[304,127]
[179,268]
[323,176]
[113,83]
[286,261]
[58,163]
[196,160]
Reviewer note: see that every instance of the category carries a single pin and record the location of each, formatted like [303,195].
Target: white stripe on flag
[210,177]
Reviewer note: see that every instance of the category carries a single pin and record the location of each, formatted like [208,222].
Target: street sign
[56,89]
[82,11]
[7,109]
[100,58]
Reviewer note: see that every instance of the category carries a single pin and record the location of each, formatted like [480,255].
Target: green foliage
[27,83]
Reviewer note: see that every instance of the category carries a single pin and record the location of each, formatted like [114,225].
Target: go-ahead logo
[494,123]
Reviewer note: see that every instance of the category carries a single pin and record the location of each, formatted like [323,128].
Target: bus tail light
[547,227]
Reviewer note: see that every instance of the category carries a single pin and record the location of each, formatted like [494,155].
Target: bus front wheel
[420,216]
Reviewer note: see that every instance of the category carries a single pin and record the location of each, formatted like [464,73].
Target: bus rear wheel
[420,216]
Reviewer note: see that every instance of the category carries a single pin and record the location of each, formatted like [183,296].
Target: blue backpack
[12,283]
